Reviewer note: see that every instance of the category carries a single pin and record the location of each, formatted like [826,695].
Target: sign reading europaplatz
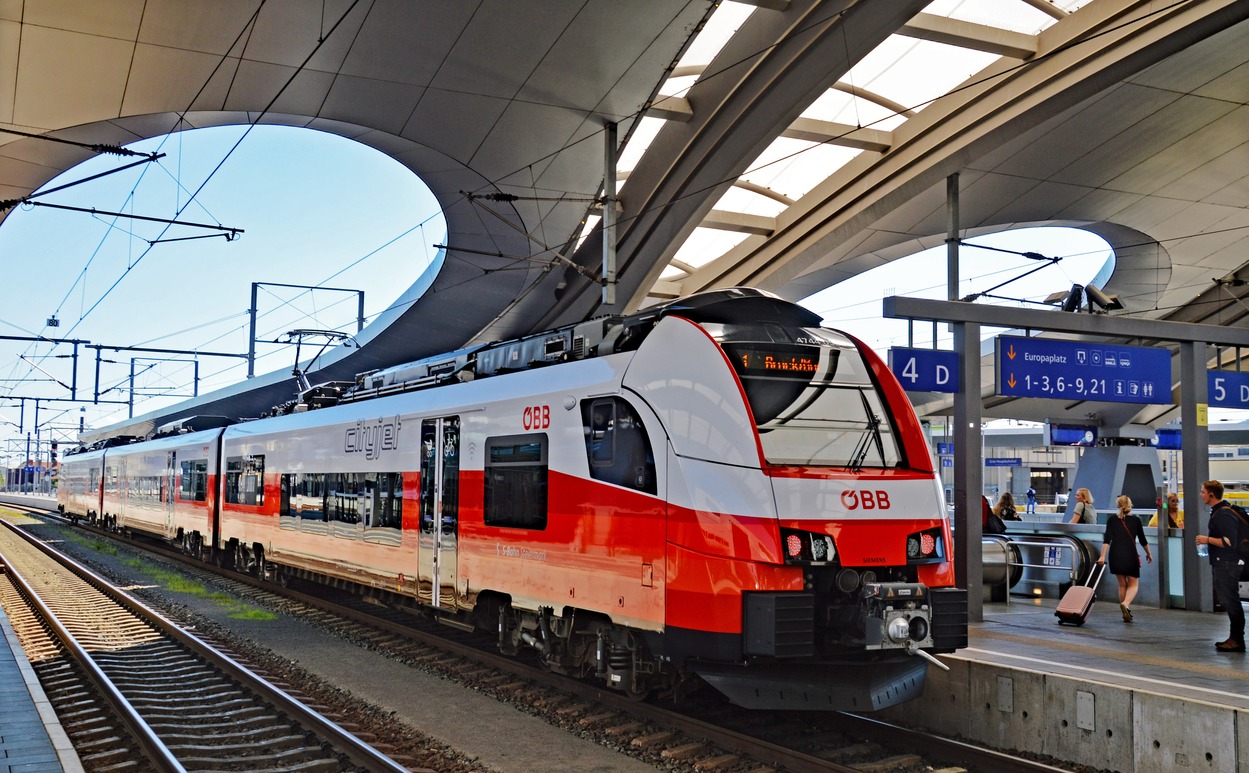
[1228,388]
[1079,370]
[924,370]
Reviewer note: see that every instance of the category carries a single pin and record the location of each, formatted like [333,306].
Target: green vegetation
[176,583]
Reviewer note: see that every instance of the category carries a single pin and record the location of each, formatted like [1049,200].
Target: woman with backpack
[1084,511]
[1005,508]
[1122,532]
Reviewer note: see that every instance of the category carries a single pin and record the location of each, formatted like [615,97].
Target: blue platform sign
[1227,389]
[1003,461]
[1082,370]
[924,370]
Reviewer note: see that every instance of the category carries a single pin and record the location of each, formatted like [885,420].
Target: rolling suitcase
[1075,604]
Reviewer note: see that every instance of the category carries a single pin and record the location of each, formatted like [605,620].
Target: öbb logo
[865,499]
[537,417]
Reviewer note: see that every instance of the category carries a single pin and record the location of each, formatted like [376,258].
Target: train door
[170,486]
[440,498]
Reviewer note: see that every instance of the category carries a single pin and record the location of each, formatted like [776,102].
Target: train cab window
[813,396]
[516,477]
[245,480]
[194,481]
[616,444]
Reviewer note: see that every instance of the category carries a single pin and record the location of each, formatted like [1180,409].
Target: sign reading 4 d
[1227,388]
[924,370]
[1082,370]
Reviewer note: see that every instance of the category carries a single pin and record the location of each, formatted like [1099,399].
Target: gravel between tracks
[436,723]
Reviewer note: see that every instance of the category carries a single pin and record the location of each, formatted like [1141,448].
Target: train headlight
[899,629]
[912,547]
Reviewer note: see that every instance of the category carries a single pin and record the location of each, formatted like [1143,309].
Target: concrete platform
[1153,695]
[31,737]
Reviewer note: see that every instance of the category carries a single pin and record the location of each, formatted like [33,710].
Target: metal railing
[1070,567]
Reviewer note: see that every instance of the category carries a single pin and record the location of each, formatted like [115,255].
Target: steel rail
[153,747]
[359,752]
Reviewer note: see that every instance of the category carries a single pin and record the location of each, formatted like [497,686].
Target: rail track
[135,691]
[701,733]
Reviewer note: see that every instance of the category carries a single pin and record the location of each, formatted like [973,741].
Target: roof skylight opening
[721,27]
[741,200]
[838,106]
[793,167]
[707,244]
[639,141]
[1013,15]
[914,73]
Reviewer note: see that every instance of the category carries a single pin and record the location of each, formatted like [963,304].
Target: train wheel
[637,694]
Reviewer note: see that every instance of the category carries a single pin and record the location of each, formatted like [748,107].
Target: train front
[810,556]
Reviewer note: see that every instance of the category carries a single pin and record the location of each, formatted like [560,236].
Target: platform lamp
[1103,301]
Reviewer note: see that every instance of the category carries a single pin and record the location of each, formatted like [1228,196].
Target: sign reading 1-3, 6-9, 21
[1082,370]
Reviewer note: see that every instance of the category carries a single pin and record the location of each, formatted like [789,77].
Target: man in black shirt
[1224,564]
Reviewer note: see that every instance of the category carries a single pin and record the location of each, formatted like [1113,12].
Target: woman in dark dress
[1122,531]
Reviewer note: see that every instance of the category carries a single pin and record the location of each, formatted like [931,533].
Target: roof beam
[671,109]
[845,135]
[965,34]
[739,222]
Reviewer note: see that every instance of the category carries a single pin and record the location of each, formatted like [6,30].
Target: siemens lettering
[372,437]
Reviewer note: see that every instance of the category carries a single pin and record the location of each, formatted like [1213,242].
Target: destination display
[1081,370]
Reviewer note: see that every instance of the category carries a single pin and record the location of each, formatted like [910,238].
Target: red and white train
[715,487]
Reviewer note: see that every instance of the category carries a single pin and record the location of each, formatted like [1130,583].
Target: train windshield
[812,396]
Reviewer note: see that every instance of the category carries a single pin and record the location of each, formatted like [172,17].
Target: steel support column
[968,470]
[1194,405]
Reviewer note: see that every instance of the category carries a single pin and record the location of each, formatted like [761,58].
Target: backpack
[1242,537]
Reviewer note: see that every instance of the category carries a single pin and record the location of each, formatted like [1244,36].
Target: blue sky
[315,209]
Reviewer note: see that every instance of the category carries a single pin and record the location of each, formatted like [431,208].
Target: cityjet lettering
[865,499]
[372,437]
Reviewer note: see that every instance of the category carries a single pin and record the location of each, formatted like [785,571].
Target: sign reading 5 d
[1228,388]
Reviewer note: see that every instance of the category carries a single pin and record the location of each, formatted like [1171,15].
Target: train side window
[194,481]
[386,507]
[245,480]
[516,481]
[344,497]
[616,444]
[303,496]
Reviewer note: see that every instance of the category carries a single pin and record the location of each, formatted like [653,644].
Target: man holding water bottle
[1224,564]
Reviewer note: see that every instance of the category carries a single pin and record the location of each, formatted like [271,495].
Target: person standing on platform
[1122,532]
[1031,504]
[1084,511]
[1172,508]
[1005,508]
[1225,529]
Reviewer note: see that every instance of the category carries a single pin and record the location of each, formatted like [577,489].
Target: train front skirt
[818,687]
